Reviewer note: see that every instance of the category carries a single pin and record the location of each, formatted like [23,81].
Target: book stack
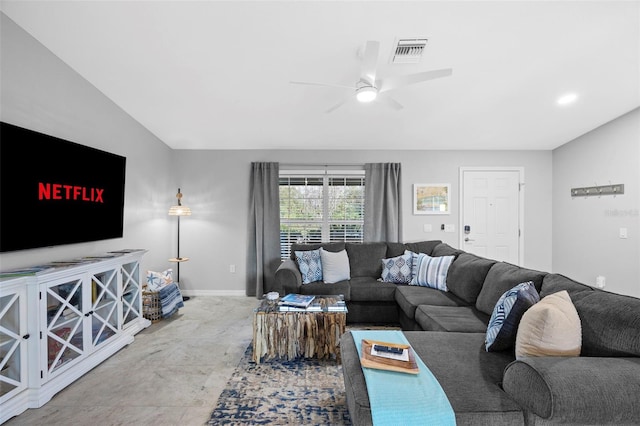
[296,301]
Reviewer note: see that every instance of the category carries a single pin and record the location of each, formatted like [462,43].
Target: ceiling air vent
[409,51]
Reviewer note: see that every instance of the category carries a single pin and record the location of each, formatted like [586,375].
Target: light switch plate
[449,228]
[427,227]
[623,232]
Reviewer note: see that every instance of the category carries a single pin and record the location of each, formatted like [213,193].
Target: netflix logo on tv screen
[54,191]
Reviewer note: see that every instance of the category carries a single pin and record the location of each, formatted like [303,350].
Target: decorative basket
[151,308]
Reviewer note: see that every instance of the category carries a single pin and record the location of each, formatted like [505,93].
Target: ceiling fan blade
[338,105]
[405,80]
[306,83]
[370,62]
[391,102]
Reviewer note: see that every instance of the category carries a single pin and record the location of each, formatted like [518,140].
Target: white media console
[60,320]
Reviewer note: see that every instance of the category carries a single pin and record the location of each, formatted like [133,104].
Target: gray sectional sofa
[447,331]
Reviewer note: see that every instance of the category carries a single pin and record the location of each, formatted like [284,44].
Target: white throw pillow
[335,266]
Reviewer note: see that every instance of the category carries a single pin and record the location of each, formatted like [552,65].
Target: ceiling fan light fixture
[366,94]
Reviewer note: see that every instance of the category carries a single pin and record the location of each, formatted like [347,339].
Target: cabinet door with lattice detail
[13,338]
[131,294]
[104,306]
[64,338]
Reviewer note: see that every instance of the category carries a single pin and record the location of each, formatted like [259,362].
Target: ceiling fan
[367,88]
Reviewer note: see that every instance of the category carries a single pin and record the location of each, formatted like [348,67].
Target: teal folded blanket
[402,398]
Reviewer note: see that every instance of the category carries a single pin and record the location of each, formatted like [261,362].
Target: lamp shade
[179,209]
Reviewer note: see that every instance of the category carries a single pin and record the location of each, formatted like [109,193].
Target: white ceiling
[216,74]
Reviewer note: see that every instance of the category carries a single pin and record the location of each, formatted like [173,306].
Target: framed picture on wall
[431,198]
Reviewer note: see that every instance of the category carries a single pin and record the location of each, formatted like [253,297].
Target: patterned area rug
[300,392]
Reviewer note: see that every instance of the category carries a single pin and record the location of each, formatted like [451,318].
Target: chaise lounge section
[448,330]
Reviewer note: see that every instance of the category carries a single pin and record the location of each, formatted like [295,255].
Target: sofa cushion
[444,249]
[466,275]
[452,318]
[395,249]
[501,277]
[470,376]
[610,324]
[321,288]
[553,283]
[335,266]
[472,386]
[503,325]
[409,297]
[430,271]
[364,258]
[332,247]
[367,289]
[397,269]
[425,247]
[310,265]
[550,328]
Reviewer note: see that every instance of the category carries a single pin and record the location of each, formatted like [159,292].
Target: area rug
[299,392]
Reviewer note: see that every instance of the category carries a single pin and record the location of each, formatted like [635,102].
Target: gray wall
[216,187]
[40,92]
[586,239]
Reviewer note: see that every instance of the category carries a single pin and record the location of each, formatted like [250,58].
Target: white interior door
[491,213]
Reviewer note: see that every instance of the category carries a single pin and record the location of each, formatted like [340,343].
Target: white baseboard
[196,293]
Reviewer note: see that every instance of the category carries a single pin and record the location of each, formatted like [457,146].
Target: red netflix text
[58,191]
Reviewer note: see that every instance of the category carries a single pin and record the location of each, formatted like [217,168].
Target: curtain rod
[326,165]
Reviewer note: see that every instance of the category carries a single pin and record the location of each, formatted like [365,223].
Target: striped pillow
[506,316]
[430,271]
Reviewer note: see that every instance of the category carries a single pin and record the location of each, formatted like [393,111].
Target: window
[326,206]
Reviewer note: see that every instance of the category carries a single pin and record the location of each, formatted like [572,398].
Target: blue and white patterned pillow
[157,280]
[506,316]
[397,270]
[430,271]
[310,265]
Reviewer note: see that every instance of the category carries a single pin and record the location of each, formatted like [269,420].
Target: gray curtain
[264,229]
[382,202]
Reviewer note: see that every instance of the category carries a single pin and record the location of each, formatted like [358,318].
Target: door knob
[467,239]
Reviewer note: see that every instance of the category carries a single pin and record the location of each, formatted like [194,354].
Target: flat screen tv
[54,191]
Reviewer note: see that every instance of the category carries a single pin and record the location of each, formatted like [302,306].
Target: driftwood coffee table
[289,333]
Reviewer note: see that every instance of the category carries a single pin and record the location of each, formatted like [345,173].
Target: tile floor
[172,374]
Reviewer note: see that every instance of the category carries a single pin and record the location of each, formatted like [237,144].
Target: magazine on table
[296,300]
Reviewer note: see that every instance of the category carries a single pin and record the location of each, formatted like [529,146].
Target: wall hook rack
[591,191]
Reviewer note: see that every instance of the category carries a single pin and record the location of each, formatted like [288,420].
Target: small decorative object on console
[272,295]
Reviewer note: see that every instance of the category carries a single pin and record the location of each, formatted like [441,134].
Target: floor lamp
[179,210]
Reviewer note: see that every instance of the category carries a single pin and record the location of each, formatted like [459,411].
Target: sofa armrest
[580,390]
[288,277]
